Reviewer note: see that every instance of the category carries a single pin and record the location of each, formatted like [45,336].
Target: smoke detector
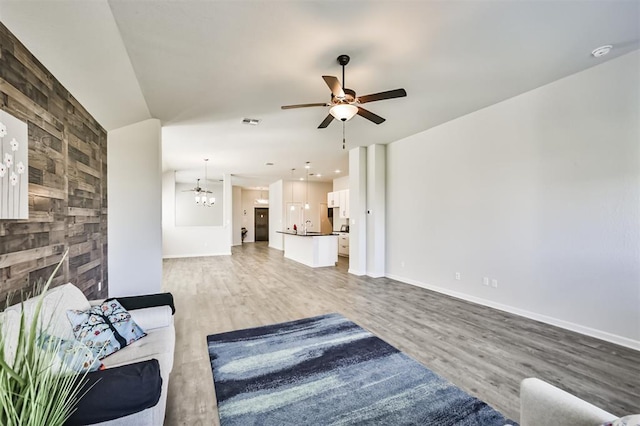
[602,50]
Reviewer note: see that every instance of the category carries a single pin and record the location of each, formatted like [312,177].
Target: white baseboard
[180,256]
[356,272]
[588,331]
[375,275]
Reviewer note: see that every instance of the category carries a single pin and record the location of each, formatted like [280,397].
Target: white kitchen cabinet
[333,199]
[344,204]
[343,244]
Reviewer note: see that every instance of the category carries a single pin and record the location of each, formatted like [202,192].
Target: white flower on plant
[3,130]
[20,168]
[3,170]
[8,159]
[14,144]
[13,179]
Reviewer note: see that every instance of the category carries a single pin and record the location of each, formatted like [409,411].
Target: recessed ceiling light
[337,171]
[319,175]
[251,121]
[602,50]
[307,165]
[301,178]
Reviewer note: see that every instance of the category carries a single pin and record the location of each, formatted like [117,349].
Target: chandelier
[201,194]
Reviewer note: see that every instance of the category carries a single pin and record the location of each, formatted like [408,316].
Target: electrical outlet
[485,281]
[99,285]
[458,276]
[494,283]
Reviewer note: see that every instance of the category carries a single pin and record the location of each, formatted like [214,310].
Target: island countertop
[308,234]
[318,251]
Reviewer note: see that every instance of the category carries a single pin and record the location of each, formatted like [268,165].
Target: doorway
[326,224]
[261,224]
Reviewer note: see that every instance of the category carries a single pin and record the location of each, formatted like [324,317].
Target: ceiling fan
[344,102]
[198,189]
[201,193]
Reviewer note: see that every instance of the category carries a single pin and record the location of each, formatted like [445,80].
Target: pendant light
[306,203]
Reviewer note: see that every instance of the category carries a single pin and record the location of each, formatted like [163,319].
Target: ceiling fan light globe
[343,112]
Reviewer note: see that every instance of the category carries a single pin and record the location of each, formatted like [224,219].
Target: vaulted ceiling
[202,66]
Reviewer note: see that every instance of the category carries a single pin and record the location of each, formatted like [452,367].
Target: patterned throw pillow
[105,328]
[72,355]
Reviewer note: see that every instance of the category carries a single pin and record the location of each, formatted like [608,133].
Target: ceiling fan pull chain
[343,140]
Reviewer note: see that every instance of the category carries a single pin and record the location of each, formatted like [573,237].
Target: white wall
[276,211]
[341,183]
[540,192]
[376,204]
[237,216]
[358,211]
[188,213]
[315,193]
[135,211]
[191,241]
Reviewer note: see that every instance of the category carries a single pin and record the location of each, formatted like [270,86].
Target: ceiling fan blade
[370,116]
[389,94]
[326,122]
[304,105]
[334,86]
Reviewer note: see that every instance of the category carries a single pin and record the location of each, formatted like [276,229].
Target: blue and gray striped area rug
[327,370]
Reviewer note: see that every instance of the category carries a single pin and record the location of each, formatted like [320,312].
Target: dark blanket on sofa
[117,392]
[146,301]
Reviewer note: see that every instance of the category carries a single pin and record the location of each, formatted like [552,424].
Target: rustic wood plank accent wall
[67,182]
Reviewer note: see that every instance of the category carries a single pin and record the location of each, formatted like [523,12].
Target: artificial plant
[32,392]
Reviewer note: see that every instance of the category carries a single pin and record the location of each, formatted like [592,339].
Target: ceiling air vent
[251,121]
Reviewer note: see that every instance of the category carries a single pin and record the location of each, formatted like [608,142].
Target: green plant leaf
[31,392]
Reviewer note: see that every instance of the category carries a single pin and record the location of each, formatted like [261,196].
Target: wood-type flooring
[484,351]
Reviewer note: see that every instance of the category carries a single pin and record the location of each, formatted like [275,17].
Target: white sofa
[542,404]
[159,343]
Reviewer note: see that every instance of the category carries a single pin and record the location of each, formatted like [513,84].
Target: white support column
[358,211]
[135,209]
[276,214]
[236,221]
[376,204]
[227,211]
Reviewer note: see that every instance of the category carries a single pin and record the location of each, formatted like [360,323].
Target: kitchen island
[313,249]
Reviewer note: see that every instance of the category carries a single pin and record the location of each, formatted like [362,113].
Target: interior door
[261,224]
